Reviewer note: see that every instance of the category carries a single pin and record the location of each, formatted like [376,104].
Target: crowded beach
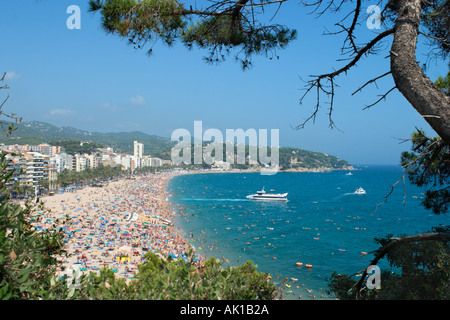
[113,226]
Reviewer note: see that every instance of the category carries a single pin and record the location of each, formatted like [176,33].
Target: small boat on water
[262,195]
[360,191]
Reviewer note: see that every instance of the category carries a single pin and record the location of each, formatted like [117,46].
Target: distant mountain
[35,132]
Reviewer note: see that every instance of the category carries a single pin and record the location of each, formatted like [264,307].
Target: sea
[324,224]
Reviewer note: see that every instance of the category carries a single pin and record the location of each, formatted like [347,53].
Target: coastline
[181,233]
[299,169]
[320,169]
[115,225]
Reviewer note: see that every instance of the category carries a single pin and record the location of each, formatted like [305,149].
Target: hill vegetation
[73,147]
[36,132]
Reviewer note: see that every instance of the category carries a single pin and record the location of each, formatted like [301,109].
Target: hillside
[35,132]
[294,159]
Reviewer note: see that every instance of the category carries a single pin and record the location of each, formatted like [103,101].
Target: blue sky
[97,82]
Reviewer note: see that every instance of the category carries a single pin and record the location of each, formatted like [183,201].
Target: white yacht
[360,191]
[262,195]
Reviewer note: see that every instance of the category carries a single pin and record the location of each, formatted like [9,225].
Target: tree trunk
[430,101]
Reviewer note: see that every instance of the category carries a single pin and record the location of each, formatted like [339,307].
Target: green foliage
[161,279]
[340,285]
[73,147]
[35,132]
[222,33]
[28,265]
[69,177]
[425,270]
[434,24]
[421,272]
[309,159]
[436,18]
[141,21]
[217,30]
[429,164]
[444,83]
[27,262]
[422,268]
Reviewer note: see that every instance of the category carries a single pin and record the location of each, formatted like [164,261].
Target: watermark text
[208,147]
[74,20]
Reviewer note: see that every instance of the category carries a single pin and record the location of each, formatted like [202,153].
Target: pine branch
[444,237]
[329,77]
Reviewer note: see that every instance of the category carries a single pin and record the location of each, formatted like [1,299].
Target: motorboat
[360,191]
[262,195]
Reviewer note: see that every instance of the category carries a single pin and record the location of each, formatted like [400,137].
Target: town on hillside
[39,165]
[51,167]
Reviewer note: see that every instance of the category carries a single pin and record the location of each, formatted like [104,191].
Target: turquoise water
[323,224]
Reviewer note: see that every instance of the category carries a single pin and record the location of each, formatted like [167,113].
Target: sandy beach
[115,225]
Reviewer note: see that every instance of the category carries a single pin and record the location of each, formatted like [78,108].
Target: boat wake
[204,199]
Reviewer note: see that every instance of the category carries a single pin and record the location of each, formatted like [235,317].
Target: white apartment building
[34,166]
[123,160]
[156,162]
[18,164]
[146,162]
[138,149]
[151,162]
[127,162]
[82,163]
[63,162]
[95,161]
[37,167]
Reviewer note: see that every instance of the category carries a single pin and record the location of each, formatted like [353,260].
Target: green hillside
[293,158]
[35,132]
